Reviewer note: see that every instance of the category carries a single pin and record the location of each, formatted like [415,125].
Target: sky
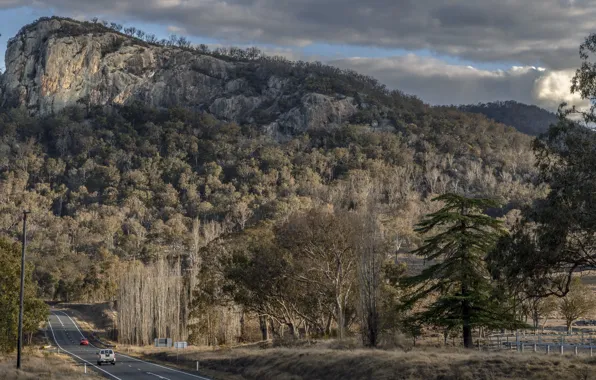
[443,51]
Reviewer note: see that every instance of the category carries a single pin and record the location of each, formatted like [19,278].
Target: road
[67,335]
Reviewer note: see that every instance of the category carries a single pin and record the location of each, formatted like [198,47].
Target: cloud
[553,88]
[531,32]
[176,29]
[540,37]
[438,82]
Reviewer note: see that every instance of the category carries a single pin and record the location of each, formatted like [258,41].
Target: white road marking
[139,360]
[153,374]
[76,356]
[168,368]
[59,320]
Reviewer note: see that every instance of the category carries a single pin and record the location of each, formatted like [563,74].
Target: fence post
[575,350]
[590,351]
[561,349]
[547,349]
[535,347]
[85,367]
[197,365]
[522,347]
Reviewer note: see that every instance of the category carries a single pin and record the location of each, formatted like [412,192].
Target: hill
[528,119]
[129,150]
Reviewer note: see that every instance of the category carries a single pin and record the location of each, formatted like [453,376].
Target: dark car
[84,342]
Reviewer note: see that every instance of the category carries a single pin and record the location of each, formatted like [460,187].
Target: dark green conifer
[458,275]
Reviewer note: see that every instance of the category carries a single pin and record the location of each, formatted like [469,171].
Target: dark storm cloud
[543,32]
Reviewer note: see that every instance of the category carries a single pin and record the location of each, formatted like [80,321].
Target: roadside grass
[38,364]
[330,359]
[326,363]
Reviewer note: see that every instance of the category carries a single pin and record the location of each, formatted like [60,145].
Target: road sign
[163,342]
[180,344]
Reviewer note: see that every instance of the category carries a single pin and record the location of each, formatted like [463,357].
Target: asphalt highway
[67,336]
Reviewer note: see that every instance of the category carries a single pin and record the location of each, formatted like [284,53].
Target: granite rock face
[56,63]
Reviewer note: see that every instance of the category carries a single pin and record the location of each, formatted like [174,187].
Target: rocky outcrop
[50,67]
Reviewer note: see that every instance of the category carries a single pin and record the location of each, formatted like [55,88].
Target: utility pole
[20,338]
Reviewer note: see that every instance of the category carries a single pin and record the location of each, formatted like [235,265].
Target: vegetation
[44,365]
[578,303]
[459,276]
[327,363]
[525,118]
[230,235]
[35,310]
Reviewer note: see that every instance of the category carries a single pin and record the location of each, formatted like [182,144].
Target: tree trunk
[263,327]
[340,319]
[373,322]
[242,327]
[466,315]
[328,326]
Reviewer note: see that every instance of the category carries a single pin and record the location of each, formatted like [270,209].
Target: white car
[106,356]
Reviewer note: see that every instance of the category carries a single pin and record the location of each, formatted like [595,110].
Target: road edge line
[76,356]
[140,360]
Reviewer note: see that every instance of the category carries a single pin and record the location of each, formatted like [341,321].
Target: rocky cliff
[55,63]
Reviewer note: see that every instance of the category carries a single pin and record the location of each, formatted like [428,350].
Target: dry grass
[98,316]
[38,364]
[326,363]
[345,360]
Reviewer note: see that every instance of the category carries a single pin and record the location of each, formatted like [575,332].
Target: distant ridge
[528,119]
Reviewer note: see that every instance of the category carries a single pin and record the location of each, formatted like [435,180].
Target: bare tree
[149,303]
[372,254]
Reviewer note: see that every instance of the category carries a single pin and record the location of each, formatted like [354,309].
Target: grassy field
[39,364]
[346,360]
[327,363]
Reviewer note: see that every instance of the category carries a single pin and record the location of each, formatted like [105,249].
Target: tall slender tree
[458,276]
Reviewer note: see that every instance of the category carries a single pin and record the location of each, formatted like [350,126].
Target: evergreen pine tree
[458,276]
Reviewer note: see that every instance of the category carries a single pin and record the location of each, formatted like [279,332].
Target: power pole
[20,338]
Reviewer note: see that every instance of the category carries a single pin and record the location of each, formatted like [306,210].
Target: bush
[395,340]
[289,341]
[346,344]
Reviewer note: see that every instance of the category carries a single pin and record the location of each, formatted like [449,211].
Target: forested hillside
[525,118]
[108,186]
[208,208]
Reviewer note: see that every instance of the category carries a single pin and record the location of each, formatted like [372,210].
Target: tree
[557,236]
[35,310]
[578,302]
[372,251]
[323,246]
[541,308]
[260,279]
[458,275]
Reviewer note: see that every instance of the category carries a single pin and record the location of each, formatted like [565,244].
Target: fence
[579,343]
